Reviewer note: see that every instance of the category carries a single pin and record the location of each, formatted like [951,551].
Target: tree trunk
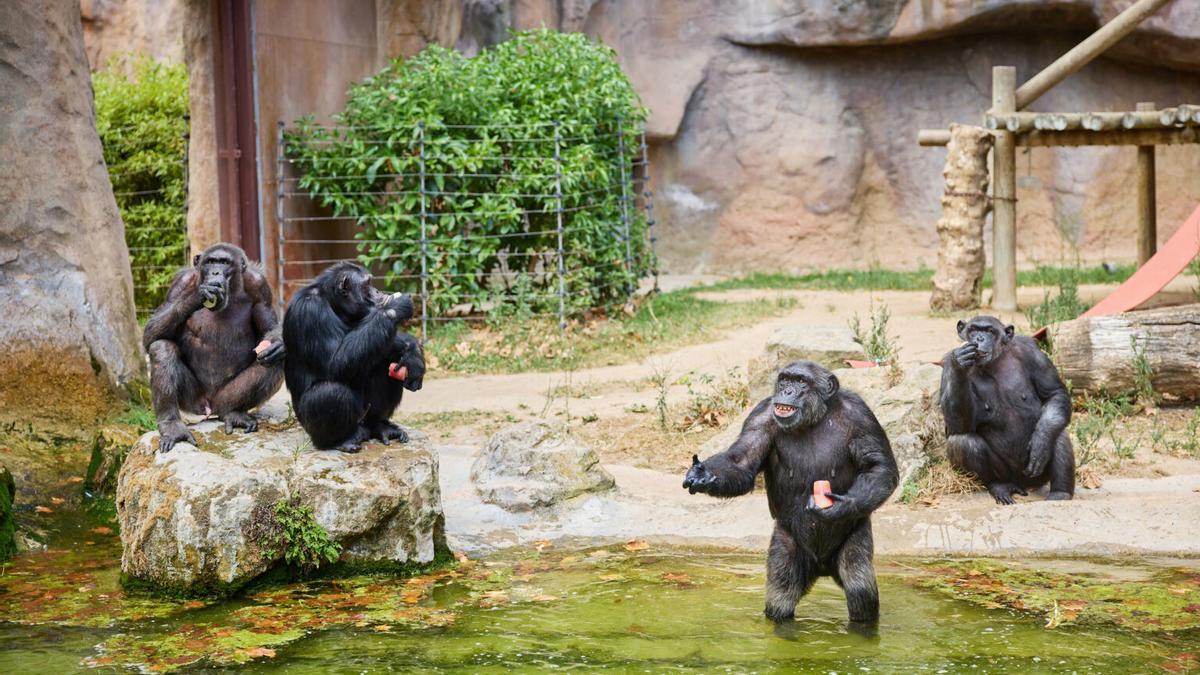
[1098,352]
[957,284]
[68,338]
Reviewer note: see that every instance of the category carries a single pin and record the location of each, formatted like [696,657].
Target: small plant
[876,343]
[1143,385]
[1193,269]
[909,492]
[304,543]
[1062,307]
[713,405]
[660,377]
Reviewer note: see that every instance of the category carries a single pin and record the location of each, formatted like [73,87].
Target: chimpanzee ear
[831,386]
[961,326]
[196,260]
[1008,333]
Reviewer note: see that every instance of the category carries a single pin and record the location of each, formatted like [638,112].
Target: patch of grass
[1064,306]
[713,402]
[1143,374]
[1193,269]
[138,415]
[835,280]
[935,480]
[304,544]
[659,323]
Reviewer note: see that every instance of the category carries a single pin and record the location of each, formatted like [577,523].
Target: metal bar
[562,287]
[1004,194]
[1079,56]
[187,149]
[424,239]
[280,261]
[648,195]
[625,212]
[1147,237]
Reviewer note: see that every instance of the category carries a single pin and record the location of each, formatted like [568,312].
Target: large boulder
[68,341]
[829,346]
[200,520]
[536,464]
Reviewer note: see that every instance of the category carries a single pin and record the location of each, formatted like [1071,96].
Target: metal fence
[536,251]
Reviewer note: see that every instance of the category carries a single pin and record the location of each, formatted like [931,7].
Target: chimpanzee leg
[856,574]
[790,574]
[249,389]
[382,395]
[332,415]
[970,453]
[1062,469]
[172,386]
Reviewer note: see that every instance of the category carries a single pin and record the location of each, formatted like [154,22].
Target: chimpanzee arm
[182,300]
[313,332]
[877,473]
[958,405]
[263,310]
[1056,408]
[731,473]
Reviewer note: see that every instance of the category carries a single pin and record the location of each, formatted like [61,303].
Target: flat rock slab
[829,346]
[536,464]
[199,520]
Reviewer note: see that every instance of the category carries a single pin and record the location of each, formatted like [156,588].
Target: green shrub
[487,127]
[304,544]
[142,120]
[1062,307]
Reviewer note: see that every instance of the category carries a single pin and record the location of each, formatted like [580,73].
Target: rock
[829,346]
[120,28]
[199,520]
[908,410]
[69,341]
[534,465]
[8,526]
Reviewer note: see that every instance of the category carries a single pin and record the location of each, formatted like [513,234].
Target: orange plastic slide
[1171,259]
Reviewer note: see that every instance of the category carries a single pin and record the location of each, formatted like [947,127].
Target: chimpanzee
[810,430]
[206,345]
[347,365]
[1006,412]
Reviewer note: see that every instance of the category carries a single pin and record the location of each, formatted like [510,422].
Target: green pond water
[631,608]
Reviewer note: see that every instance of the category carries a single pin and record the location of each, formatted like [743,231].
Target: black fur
[341,334]
[202,358]
[1006,412]
[831,435]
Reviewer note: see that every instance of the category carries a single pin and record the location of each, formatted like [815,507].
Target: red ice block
[820,488]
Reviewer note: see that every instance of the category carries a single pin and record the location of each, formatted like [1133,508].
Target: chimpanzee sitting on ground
[1006,412]
[810,431]
[202,345]
[347,365]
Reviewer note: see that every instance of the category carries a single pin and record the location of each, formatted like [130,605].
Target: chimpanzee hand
[1039,456]
[699,478]
[211,295]
[966,355]
[398,306]
[272,354]
[844,506]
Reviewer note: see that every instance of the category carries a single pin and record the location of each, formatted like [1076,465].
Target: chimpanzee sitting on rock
[347,366]
[810,436]
[213,345]
[1006,412]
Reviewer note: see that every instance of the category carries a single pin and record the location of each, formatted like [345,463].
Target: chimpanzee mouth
[784,410]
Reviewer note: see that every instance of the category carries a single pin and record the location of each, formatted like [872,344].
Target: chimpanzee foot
[170,433]
[240,420]
[1003,492]
[388,432]
[779,614]
[1058,496]
[354,443]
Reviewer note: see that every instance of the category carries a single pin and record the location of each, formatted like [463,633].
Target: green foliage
[1064,306]
[8,528]
[876,343]
[1193,269]
[142,121]
[1143,374]
[304,543]
[1097,421]
[471,142]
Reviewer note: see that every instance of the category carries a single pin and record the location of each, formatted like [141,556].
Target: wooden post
[1004,194]
[1147,237]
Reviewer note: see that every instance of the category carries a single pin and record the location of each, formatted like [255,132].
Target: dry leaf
[460,556]
[193,604]
[43,509]
[259,651]
[679,578]
[635,545]
[383,628]
[412,597]
[544,598]
[75,479]
[542,545]
[58,501]
[101,530]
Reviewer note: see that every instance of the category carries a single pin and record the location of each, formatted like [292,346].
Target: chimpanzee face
[987,334]
[221,268]
[353,295]
[802,392]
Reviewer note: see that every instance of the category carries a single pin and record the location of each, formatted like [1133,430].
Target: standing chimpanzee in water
[1006,412]
[810,431]
[206,345]
[347,365]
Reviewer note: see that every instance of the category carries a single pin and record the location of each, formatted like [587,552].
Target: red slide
[1171,259]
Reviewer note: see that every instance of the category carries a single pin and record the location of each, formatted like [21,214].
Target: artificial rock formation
[830,346]
[958,281]
[534,465]
[201,520]
[68,341]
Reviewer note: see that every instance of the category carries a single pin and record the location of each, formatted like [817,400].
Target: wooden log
[1099,121]
[1098,353]
[958,281]
[1004,194]
[933,137]
[1081,137]
[1147,237]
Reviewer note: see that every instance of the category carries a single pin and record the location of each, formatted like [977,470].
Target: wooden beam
[1147,238]
[1083,137]
[1004,194]
[1083,53]
[933,137]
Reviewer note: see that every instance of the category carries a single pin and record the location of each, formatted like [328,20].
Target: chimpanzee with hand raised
[810,430]
[347,365]
[1006,412]
[213,345]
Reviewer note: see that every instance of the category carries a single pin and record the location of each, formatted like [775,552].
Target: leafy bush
[472,142]
[304,543]
[142,120]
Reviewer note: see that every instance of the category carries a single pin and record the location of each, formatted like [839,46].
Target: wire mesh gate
[519,218]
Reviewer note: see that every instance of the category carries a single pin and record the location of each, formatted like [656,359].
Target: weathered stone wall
[114,28]
[68,339]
